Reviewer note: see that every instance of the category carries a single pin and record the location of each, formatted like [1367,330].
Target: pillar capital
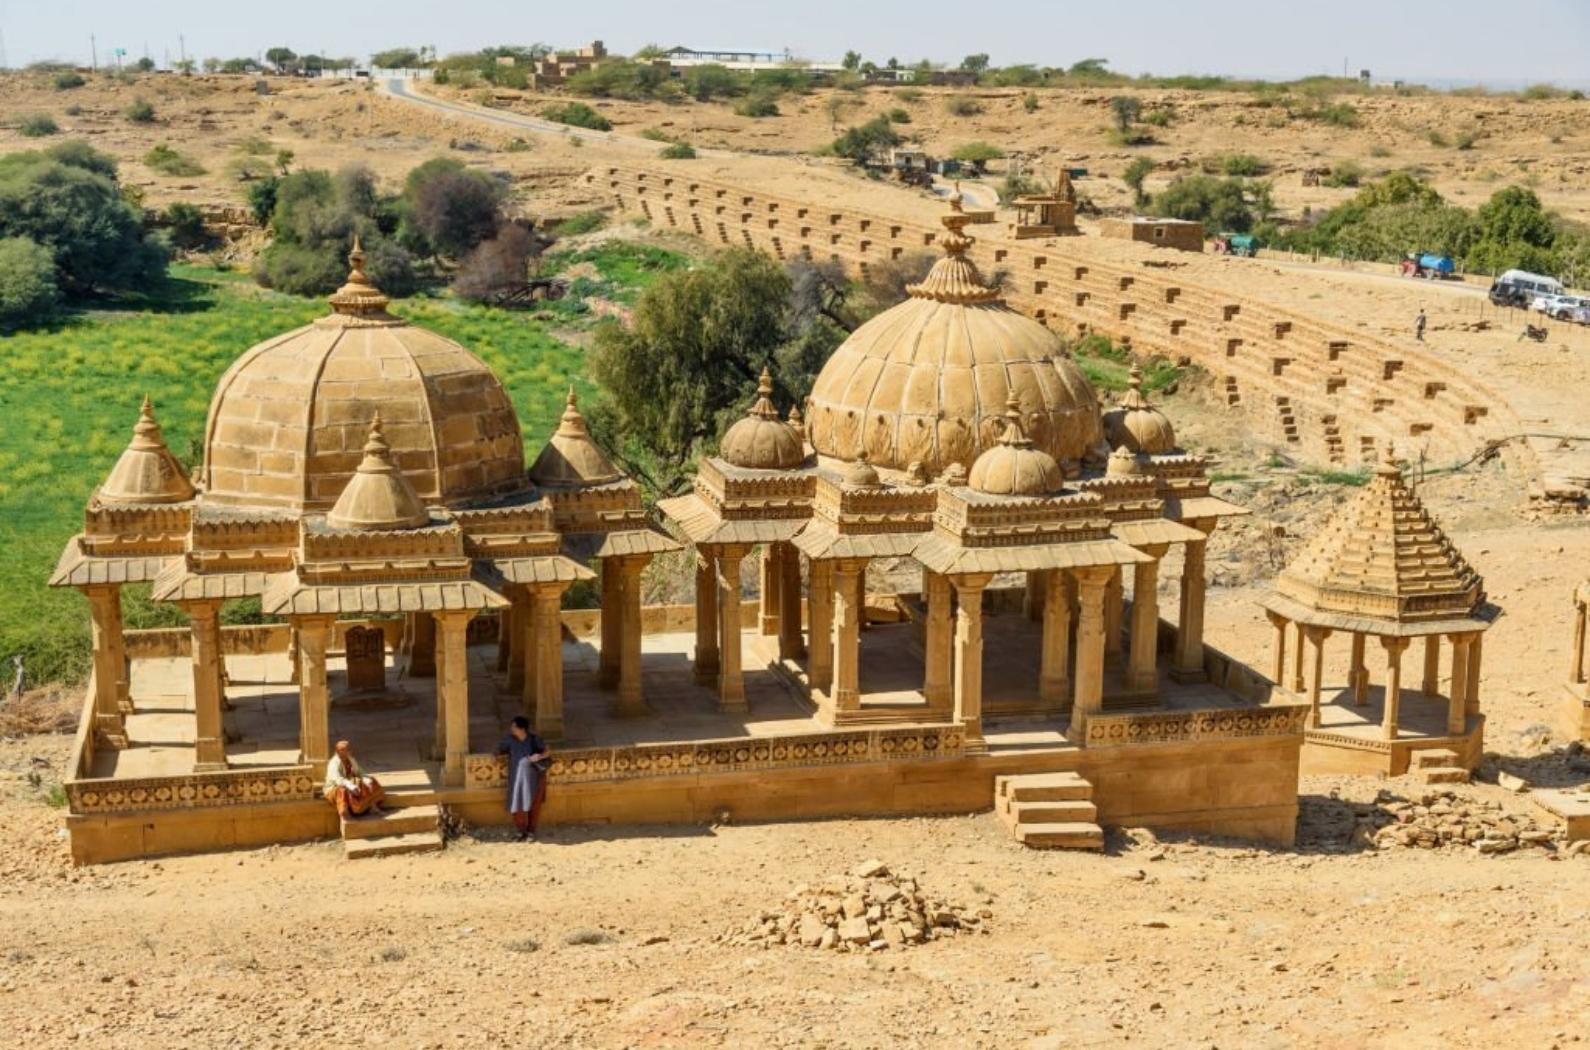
[1394,645]
[1315,633]
[1277,621]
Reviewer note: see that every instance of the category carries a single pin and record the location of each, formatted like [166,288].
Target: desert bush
[758,105]
[1438,139]
[1244,164]
[678,151]
[1158,118]
[908,94]
[184,225]
[709,81]
[1133,136]
[1338,115]
[495,264]
[1126,110]
[140,111]
[584,222]
[167,161]
[1541,92]
[37,126]
[1379,151]
[962,106]
[1015,186]
[38,712]
[579,115]
[898,116]
[1134,175]
[864,142]
[28,292]
[621,78]
[587,935]
[1345,173]
[74,110]
[1465,139]
[1220,204]
[66,80]
[1029,102]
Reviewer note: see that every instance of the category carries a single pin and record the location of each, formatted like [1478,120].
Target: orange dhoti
[357,800]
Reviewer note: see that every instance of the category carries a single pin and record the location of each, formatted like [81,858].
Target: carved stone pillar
[1189,666]
[631,701]
[1394,650]
[1297,661]
[1471,702]
[1431,685]
[1316,636]
[209,743]
[938,642]
[1089,675]
[731,677]
[422,646]
[771,584]
[504,636]
[847,636]
[790,645]
[314,696]
[1032,601]
[820,611]
[527,647]
[612,624]
[439,673]
[1054,668]
[1142,673]
[1280,623]
[1576,661]
[706,668]
[1358,676]
[546,606]
[110,665]
[452,688]
[517,614]
[1458,694]
[969,657]
[1114,617]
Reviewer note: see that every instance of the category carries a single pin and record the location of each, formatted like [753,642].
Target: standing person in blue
[527,775]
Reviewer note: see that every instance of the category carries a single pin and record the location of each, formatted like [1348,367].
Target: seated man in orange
[348,788]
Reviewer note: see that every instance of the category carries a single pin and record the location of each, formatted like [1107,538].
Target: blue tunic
[523,776]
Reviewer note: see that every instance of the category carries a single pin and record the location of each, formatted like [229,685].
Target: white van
[1519,288]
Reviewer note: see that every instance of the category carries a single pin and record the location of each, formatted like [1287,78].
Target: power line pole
[93,54]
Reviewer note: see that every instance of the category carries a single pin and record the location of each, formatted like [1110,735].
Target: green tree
[282,58]
[975,63]
[397,58]
[1126,109]
[1089,67]
[1220,204]
[852,60]
[185,227]
[1133,176]
[141,111]
[579,115]
[707,82]
[689,360]
[446,209]
[145,65]
[28,293]
[977,154]
[863,143]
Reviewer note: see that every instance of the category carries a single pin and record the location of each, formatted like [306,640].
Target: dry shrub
[38,711]
[496,264]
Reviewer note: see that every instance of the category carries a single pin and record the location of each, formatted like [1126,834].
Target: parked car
[1519,288]
[1545,304]
[1566,306]
[1579,314]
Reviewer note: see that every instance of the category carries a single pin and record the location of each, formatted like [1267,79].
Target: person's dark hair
[521,722]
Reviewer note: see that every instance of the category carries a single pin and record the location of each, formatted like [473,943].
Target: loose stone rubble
[869,909]
[1441,819]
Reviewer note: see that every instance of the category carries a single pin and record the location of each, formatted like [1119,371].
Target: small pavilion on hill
[1382,568]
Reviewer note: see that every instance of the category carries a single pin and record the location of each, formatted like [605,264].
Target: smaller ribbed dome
[1014,467]
[570,457]
[762,441]
[147,472]
[378,496]
[1137,425]
[860,473]
[1123,464]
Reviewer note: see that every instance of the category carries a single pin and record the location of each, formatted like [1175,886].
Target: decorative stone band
[1183,727]
[911,743]
[231,787]
[1358,743]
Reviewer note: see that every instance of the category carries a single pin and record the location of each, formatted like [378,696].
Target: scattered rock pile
[1440,819]
[870,909]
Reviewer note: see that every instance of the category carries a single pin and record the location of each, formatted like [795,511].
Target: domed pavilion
[365,480]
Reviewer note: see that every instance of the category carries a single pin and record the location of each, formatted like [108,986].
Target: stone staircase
[412,822]
[1439,765]
[1049,810]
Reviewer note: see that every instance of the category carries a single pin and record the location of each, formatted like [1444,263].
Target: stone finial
[954,278]
[147,472]
[1388,466]
[378,496]
[860,473]
[1015,434]
[797,422]
[358,297]
[762,441]
[916,474]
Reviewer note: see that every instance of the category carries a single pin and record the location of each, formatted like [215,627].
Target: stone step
[395,821]
[1043,787]
[1435,756]
[1067,812]
[1074,835]
[393,845]
[1444,775]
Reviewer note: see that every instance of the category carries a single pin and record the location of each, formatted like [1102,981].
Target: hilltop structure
[365,480]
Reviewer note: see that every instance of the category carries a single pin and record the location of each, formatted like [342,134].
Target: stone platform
[1350,738]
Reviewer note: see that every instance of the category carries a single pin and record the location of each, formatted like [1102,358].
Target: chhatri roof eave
[1483,617]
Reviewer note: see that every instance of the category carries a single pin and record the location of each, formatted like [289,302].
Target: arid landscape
[1377,929]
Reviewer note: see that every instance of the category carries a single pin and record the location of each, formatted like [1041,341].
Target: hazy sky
[1495,40]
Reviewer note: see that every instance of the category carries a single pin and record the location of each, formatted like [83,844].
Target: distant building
[1162,233]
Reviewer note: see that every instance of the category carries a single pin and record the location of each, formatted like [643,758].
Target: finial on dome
[954,278]
[1388,467]
[1014,433]
[797,421]
[763,408]
[146,471]
[358,296]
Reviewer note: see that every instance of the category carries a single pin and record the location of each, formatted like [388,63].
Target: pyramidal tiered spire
[1383,556]
[571,457]
[147,472]
[378,496]
[954,278]
[358,297]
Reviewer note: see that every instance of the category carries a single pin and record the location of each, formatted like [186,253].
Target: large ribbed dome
[928,380]
[289,419]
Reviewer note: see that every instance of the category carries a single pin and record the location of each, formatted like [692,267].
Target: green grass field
[69,396]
